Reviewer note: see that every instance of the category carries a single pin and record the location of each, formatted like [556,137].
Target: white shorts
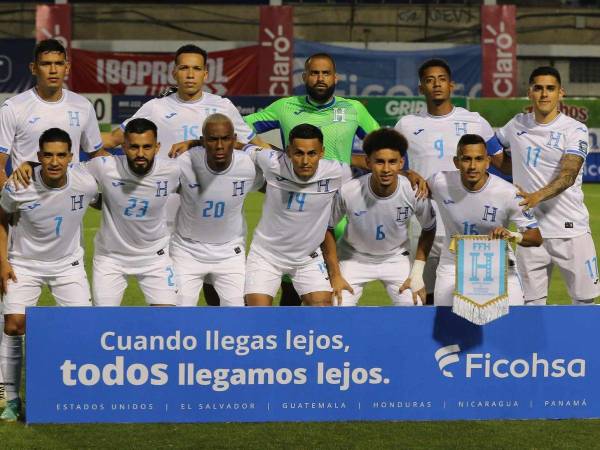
[157,280]
[392,273]
[227,276]
[70,288]
[433,260]
[446,283]
[576,259]
[264,277]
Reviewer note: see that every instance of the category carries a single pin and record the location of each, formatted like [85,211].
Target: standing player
[375,243]
[339,119]
[48,104]
[45,248]
[546,150]
[209,238]
[300,190]
[473,201]
[432,136]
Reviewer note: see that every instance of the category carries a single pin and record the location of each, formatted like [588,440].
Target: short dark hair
[469,139]
[305,131]
[46,46]
[191,48]
[385,138]
[55,135]
[140,126]
[435,62]
[544,70]
[319,55]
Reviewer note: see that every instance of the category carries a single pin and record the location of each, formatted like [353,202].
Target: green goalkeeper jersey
[340,120]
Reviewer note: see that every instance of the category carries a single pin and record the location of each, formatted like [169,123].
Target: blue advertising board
[309,364]
[15,56]
[591,168]
[366,72]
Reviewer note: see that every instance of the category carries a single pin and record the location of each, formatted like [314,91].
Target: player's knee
[317,299]
[14,324]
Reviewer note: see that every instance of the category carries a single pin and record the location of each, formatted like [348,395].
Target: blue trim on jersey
[316,105]
[493,145]
[433,227]
[360,133]
[576,152]
[532,225]
[122,126]
[4,150]
[251,135]
[265,125]
[98,146]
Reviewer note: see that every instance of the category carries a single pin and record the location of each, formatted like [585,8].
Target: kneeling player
[300,190]
[472,201]
[375,244]
[45,223]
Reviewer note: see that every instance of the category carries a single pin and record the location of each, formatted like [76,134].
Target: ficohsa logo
[485,365]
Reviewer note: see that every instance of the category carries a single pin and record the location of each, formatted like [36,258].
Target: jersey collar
[317,106]
[486,184]
[441,117]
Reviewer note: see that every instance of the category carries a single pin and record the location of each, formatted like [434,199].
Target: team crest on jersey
[73,118]
[489,213]
[76,202]
[238,188]
[339,114]
[323,185]
[460,128]
[402,214]
[161,188]
[554,140]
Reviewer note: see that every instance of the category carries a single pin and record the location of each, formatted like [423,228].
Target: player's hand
[418,184]
[530,199]
[6,273]
[418,291]
[499,233]
[180,148]
[339,284]
[21,176]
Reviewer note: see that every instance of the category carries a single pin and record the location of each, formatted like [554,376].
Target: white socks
[11,361]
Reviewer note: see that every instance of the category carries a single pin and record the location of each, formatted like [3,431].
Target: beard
[320,96]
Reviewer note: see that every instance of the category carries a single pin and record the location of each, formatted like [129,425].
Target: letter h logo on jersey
[73,118]
[489,211]
[161,188]
[486,265]
[339,114]
[238,188]
[323,185]
[554,140]
[401,214]
[461,128]
[76,203]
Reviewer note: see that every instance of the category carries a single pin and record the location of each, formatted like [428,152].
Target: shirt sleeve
[7,200]
[145,112]
[577,141]
[523,219]
[265,120]
[501,140]
[242,129]
[425,214]
[338,210]
[91,140]
[8,128]
[366,123]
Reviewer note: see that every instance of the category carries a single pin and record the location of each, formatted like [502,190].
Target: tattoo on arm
[570,165]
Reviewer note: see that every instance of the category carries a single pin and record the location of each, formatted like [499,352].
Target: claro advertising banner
[303,364]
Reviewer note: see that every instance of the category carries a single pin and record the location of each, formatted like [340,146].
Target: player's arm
[3,161]
[531,237]
[114,138]
[338,283]
[6,270]
[498,150]
[570,165]
[502,161]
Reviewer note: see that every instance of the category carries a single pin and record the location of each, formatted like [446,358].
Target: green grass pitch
[489,434]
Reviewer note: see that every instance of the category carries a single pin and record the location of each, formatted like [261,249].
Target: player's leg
[158,282]
[25,292]
[229,277]
[535,267]
[393,273]
[261,281]
[109,282]
[311,280]
[353,273]
[576,258]
[189,277]
[445,282]
[2,391]
[514,287]
[71,287]
[431,265]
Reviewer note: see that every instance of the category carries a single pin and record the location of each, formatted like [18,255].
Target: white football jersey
[47,226]
[295,212]
[378,226]
[432,140]
[211,212]
[134,222]
[536,150]
[179,121]
[24,117]
[496,204]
